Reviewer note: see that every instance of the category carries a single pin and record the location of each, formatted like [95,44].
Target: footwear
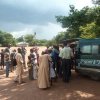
[22,82]
[16,81]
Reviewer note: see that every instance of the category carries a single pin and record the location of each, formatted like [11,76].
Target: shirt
[66,53]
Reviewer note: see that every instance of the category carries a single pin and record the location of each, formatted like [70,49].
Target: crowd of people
[53,63]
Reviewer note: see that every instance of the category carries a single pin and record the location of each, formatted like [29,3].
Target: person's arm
[61,54]
[72,55]
[49,58]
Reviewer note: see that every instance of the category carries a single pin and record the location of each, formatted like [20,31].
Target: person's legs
[20,78]
[16,78]
[64,70]
[60,69]
[68,71]
[7,69]
[31,73]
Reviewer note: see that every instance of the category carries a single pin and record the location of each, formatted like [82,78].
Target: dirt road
[79,88]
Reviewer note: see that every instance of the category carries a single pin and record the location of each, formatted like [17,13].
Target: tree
[6,38]
[29,38]
[74,20]
[20,39]
[88,31]
[80,18]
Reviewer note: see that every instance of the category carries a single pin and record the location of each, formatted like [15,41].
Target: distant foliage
[6,38]
[81,23]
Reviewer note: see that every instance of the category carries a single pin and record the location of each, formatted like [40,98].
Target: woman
[43,72]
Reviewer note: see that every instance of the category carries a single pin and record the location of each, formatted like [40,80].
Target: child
[30,68]
[52,72]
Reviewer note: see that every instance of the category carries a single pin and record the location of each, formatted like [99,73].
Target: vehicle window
[86,49]
[95,49]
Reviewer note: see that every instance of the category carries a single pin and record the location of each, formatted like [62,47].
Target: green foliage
[42,42]
[88,31]
[20,39]
[6,38]
[29,38]
[78,20]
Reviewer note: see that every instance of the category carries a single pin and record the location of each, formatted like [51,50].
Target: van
[88,58]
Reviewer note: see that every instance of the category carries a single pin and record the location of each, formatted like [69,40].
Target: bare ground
[79,88]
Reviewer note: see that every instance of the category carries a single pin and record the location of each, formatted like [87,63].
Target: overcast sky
[21,17]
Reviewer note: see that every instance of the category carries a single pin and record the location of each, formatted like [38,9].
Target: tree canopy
[6,38]
[81,22]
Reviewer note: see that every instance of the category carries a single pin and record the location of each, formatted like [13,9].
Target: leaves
[82,22]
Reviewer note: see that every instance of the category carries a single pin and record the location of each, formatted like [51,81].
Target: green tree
[20,39]
[88,31]
[6,38]
[29,38]
[79,18]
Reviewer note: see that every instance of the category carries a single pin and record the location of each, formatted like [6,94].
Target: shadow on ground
[79,88]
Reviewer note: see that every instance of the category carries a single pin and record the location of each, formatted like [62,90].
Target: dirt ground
[79,88]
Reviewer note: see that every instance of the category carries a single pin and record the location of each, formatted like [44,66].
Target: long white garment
[35,66]
[52,72]
[35,71]
[19,67]
[35,61]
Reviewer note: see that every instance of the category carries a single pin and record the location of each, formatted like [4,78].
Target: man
[66,54]
[19,67]
[23,52]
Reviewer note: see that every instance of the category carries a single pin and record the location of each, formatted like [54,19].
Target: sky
[20,17]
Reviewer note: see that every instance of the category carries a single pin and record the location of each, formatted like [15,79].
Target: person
[30,68]
[7,61]
[37,56]
[8,49]
[2,59]
[13,60]
[35,68]
[52,72]
[43,71]
[32,57]
[55,58]
[19,67]
[23,52]
[66,54]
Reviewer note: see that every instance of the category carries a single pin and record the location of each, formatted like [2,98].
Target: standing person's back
[66,54]
[43,72]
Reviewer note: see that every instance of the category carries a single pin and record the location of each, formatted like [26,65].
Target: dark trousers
[56,67]
[31,73]
[66,69]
